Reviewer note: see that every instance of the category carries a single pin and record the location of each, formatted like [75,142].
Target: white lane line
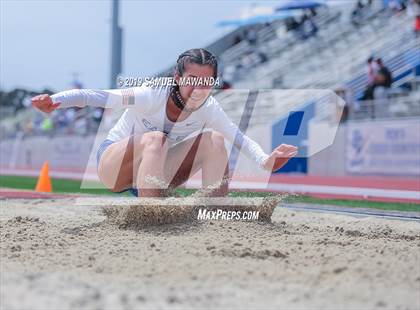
[347,211]
[322,189]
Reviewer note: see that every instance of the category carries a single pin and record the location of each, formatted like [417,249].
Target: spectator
[396,6]
[311,28]
[246,61]
[291,23]
[28,128]
[262,56]
[383,79]
[414,10]
[384,76]
[76,84]
[307,27]
[26,102]
[372,69]
[97,117]
[357,13]
[62,119]
[70,119]
[47,126]
[361,12]
[301,29]
[251,36]
[237,40]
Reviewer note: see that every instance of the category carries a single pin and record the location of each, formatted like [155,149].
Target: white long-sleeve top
[145,111]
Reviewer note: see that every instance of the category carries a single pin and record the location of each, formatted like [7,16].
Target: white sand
[57,255]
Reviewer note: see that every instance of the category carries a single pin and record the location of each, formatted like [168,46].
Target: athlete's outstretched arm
[110,98]
[278,158]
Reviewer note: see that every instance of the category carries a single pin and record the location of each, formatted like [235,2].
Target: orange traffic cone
[44,181]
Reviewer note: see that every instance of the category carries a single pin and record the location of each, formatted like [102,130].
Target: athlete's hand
[44,103]
[280,156]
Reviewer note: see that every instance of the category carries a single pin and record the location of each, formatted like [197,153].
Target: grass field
[73,186]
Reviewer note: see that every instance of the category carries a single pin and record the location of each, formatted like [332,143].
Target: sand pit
[56,254]
[139,213]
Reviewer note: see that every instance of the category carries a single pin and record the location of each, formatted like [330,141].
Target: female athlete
[167,133]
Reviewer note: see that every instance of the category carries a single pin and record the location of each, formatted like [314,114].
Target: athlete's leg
[123,159]
[215,165]
[152,151]
[115,167]
[207,152]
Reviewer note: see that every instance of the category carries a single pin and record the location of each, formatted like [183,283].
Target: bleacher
[272,44]
[336,58]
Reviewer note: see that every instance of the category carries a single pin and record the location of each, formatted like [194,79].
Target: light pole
[116,45]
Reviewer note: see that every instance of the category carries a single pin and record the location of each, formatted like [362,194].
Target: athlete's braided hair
[198,56]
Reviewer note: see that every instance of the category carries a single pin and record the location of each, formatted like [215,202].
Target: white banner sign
[391,147]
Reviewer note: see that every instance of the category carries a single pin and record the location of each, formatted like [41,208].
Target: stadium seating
[335,58]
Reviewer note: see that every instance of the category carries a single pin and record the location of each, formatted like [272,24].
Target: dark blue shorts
[101,149]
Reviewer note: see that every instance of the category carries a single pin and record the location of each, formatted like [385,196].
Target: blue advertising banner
[384,147]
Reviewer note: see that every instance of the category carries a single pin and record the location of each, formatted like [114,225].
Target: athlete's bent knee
[154,142]
[218,143]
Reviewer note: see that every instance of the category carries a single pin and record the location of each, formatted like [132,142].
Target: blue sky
[43,43]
